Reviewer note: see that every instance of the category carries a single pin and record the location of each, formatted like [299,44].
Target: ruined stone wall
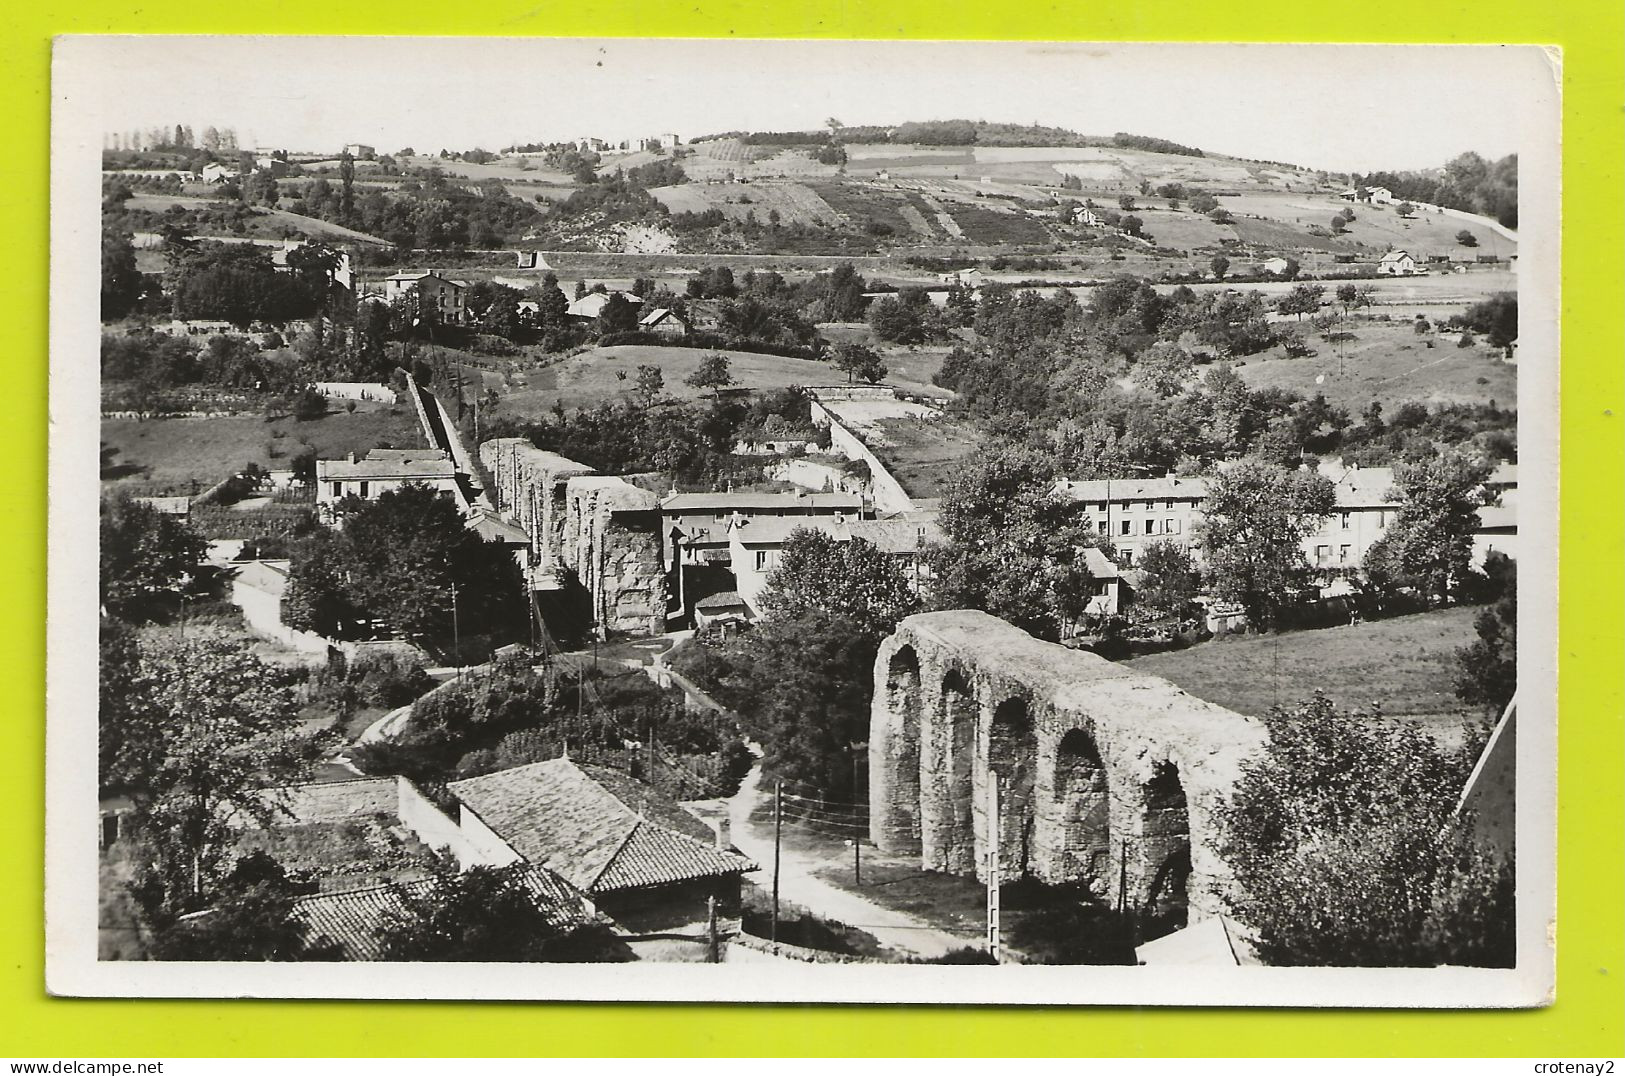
[529,489]
[611,543]
[1106,776]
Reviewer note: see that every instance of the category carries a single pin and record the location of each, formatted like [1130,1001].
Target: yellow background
[1587,1019]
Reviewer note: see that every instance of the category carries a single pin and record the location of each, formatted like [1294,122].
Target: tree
[486,914]
[1016,546]
[1496,318]
[617,316]
[1126,203]
[407,564]
[851,579]
[148,559]
[1255,520]
[1302,299]
[1132,225]
[1405,209]
[1164,368]
[1170,581]
[1429,546]
[1466,238]
[121,281]
[651,382]
[1220,266]
[1339,225]
[1347,850]
[712,373]
[208,728]
[1487,670]
[251,918]
[1203,202]
[856,360]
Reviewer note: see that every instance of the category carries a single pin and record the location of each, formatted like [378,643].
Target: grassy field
[795,203]
[589,378]
[923,455]
[1389,363]
[1406,664]
[174,453]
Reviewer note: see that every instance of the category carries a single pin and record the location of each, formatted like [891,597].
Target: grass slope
[1406,664]
[1389,363]
[173,453]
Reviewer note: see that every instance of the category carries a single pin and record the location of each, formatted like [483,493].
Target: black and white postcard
[991,522]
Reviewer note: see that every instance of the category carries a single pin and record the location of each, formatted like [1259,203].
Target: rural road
[797,884]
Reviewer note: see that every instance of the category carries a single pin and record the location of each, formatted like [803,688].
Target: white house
[964,278]
[1399,263]
[589,306]
[381,470]
[1274,266]
[1085,215]
[443,296]
[662,322]
[1380,195]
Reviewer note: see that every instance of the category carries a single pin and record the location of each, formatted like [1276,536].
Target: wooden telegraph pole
[993,836]
[778,826]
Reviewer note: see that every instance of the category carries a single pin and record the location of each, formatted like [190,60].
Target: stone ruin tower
[584,528]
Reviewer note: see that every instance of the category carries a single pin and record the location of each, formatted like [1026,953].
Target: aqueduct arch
[1106,776]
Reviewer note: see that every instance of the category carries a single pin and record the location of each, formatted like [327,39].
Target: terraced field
[795,203]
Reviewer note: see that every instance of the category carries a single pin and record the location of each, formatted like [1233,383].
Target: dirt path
[797,884]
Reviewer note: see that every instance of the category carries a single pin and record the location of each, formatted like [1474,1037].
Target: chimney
[350,457]
[724,834]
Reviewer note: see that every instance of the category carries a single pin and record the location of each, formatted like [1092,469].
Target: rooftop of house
[493,528]
[887,535]
[728,599]
[352,919]
[389,463]
[1366,487]
[592,304]
[1168,487]
[1396,255]
[270,576]
[763,501]
[421,274]
[599,829]
[655,317]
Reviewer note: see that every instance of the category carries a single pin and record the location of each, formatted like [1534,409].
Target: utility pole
[993,836]
[456,632]
[857,861]
[778,826]
[713,954]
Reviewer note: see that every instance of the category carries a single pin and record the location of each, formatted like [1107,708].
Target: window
[1151,526]
[1170,506]
[764,559]
[1322,553]
[338,490]
[363,490]
[1102,506]
[1128,527]
[1343,553]
[1125,558]
[1172,526]
[1102,526]
[1348,520]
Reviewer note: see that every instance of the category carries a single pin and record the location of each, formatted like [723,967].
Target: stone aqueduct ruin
[1106,776]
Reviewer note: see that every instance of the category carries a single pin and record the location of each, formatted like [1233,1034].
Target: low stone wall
[886,492]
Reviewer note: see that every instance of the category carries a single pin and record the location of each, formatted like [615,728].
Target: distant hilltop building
[361,151]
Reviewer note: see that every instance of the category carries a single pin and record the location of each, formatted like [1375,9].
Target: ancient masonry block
[604,531]
[1105,776]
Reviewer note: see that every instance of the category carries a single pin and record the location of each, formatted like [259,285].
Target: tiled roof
[1367,487]
[1132,489]
[728,599]
[353,919]
[597,828]
[386,463]
[763,501]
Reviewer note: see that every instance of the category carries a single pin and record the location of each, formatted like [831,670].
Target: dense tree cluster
[404,564]
[1347,850]
[1254,521]
[1469,182]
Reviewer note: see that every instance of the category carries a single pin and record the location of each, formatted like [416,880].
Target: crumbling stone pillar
[1007,753]
[894,750]
[947,752]
[1072,813]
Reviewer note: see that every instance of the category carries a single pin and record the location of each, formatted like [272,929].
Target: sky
[1337,107]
